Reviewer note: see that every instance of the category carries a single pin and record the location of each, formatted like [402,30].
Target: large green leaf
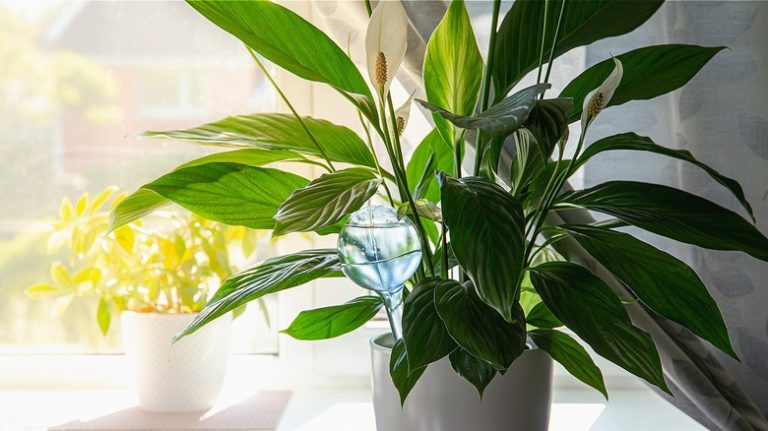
[476,371]
[486,225]
[518,41]
[289,41]
[330,322]
[229,192]
[587,306]
[541,317]
[277,132]
[547,121]
[661,281]
[453,67]
[500,119]
[141,203]
[250,157]
[673,213]
[424,333]
[430,156]
[403,377]
[648,72]
[633,142]
[272,275]
[477,328]
[571,355]
[326,200]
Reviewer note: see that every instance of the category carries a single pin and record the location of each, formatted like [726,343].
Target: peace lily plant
[490,279]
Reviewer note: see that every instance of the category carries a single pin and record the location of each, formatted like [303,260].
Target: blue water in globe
[377,250]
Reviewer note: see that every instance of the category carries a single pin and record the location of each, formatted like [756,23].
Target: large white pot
[183,377]
[442,401]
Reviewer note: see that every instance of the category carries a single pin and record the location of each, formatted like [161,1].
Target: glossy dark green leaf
[486,227]
[453,67]
[277,132]
[476,371]
[139,204]
[250,157]
[272,275]
[424,333]
[477,328]
[518,43]
[632,142]
[587,306]
[571,355]
[527,163]
[403,377]
[430,156]
[648,72]
[500,119]
[229,192]
[664,283]
[673,213]
[541,317]
[289,41]
[326,200]
[547,121]
[330,322]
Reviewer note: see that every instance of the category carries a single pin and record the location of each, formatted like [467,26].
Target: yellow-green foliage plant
[168,263]
[487,284]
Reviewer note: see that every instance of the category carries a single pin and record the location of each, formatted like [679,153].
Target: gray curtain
[722,117]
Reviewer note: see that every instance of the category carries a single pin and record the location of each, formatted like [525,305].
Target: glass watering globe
[378,251]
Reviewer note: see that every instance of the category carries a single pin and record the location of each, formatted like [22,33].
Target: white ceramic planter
[442,401]
[185,377]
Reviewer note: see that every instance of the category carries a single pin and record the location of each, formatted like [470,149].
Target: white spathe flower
[402,114]
[386,40]
[599,98]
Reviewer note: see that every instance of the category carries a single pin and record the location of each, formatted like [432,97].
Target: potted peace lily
[490,297]
[157,275]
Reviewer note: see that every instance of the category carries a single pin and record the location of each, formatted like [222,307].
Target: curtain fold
[722,117]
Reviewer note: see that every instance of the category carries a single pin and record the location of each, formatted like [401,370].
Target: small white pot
[183,377]
[443,401]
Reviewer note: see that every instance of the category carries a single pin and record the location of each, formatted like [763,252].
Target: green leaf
[500,119]
[250,157]
[648,72]
[289,41]
[277,132]
[330,322]
[453,68]
[229,192]
[527,163]
[41,290]
[477,328]
[326,200]
[664,283]
[518,44]
[571,355]
[486,226]
[541,317]
[425,209]
[430,156]
[587,306]
[476,371]
[403,377]
[141,203]
[673,213]
[547,121]
[633,142]
[272,275]
[103,316]
[424,333]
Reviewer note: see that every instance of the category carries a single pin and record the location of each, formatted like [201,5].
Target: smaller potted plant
[157,274]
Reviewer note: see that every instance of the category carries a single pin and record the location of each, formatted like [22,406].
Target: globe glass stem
[393,302]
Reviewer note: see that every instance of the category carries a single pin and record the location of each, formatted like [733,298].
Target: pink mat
[259,412]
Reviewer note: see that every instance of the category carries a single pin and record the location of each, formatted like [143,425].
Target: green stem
[554,43]
[486,94]
[543,40]
[375,157]
[444,238]
[290,106]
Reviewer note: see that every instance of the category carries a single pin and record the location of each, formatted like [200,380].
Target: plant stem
[290,106]
[543,40]
[486,94]
[375,157]
[444,238]
[554,43]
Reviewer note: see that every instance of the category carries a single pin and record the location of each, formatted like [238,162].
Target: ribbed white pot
[183,377]
[442,401]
